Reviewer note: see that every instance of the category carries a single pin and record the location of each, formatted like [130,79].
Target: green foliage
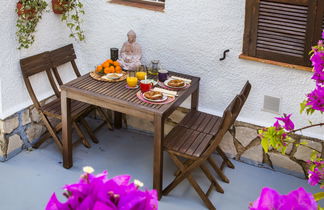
[71,16]
[275,138]
[308,109]
[31,12]
[319,196]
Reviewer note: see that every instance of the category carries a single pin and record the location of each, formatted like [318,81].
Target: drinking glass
[141,72]
[131,78]
[163,75]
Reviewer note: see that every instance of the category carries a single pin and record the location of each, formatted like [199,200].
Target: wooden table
[116,97]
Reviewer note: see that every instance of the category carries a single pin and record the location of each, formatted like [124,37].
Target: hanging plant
[29,13]
[71,11]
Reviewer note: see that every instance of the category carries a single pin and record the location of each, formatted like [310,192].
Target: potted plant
[59,7]
[71,11]
[29,13]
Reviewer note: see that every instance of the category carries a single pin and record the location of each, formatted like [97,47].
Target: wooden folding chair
[41,63]
[196,149]
[65,55]
[204,122]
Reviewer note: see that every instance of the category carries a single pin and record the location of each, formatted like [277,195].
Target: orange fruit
[116,63]
[112,69]
[105,64]
[118,69]
[107,71]
[110,61]
[99,68]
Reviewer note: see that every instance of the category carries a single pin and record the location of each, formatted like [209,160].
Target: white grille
[271,104]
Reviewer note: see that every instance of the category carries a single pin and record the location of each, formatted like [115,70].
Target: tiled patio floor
[28,180]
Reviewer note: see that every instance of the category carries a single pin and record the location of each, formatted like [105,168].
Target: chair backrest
[33,65]
[245,90]
[229,114]
[62,56]
[243,96]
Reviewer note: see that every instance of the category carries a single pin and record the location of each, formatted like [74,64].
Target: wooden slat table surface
[117,97]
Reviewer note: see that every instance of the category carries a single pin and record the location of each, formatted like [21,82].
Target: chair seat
[201,122]
[182,140]
[53,108]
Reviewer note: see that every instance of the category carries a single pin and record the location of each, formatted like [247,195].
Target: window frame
[150,5]
[314,23]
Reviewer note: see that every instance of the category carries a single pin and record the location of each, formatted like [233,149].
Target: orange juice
[140,75]
[131,81]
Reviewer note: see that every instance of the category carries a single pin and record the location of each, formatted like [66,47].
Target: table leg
[66,130]
[118,122]
[158,154]
[195,99]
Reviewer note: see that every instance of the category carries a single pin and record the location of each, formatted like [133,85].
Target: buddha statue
[131,53]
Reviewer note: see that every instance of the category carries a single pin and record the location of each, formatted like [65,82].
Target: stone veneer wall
[241,143]
[20,131]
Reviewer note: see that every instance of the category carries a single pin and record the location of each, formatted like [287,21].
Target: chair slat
[195,144]
[203,145]
[35,64]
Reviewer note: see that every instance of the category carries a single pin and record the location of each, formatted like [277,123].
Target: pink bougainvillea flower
[315,99]
[314,177]
[318,64]
[268,200]
[271,200]
[100,193]
[288,124]
[277,125]
[298,199]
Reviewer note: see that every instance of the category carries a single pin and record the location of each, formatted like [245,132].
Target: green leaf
[302,106]
[318,196]
[265,145]
[303,143]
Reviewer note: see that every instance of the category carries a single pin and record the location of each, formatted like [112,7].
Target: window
[282,30]
[157,5]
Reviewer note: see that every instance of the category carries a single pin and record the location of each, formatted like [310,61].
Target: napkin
[185,80]
[166,92]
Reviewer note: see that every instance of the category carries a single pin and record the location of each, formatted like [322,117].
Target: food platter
[169,80]
[104,78]
[164,98]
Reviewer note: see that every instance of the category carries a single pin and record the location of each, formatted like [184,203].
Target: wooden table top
[118,94]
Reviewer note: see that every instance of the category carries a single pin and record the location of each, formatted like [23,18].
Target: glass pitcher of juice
[141,72]
[131,79]
[154,67]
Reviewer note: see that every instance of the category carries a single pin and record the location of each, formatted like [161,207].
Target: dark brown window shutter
[280,30]
[319,23]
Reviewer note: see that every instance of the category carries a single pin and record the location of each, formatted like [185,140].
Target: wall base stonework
[23,129]
[20,131]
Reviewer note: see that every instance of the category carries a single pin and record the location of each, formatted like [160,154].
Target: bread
[153,95]
[176,83]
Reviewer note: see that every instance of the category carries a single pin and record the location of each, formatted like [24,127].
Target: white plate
[164,98]
[167,81]
[113,76]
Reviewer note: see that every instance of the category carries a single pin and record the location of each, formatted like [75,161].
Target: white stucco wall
[189,37]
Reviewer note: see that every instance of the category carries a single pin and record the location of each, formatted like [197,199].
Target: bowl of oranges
[109,67]
[109,71]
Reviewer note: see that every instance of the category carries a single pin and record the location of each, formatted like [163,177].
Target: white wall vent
[271,104]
